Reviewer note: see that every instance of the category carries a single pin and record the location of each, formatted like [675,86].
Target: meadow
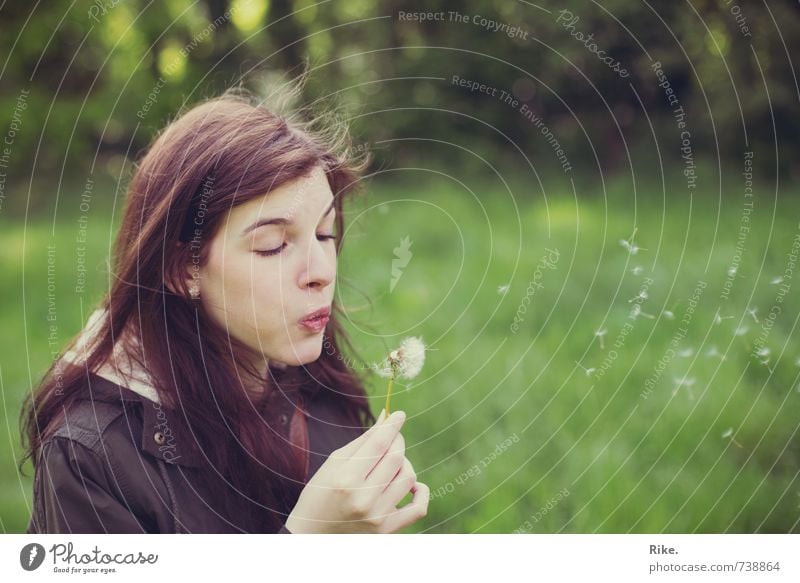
[598,362]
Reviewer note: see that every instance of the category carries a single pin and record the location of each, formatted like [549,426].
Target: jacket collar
[158,437]
[125,381]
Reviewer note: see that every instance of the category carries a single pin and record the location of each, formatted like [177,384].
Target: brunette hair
[217,155]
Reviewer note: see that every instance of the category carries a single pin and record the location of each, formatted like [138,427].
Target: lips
[322,313]
[316,321]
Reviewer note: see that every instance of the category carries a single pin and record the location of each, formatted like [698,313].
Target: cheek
[256,291]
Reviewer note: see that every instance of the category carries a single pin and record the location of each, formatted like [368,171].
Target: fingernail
[398,416]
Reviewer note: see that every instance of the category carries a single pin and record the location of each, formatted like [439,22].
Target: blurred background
[588,211]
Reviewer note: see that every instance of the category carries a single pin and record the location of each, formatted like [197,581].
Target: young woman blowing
[199,397]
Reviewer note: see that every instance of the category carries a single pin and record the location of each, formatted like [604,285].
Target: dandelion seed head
[404,362]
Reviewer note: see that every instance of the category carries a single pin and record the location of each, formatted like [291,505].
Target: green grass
[628,463]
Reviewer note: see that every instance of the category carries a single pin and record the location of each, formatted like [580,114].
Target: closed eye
[272,252]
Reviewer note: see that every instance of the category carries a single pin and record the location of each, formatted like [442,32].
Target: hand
[358,487]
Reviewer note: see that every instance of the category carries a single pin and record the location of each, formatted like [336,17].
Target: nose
[319,269]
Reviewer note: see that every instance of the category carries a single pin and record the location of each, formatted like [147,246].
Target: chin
[304,352]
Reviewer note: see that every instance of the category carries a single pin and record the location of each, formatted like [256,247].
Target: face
[272,262]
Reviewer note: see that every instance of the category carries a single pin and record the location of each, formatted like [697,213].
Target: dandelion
[599,334]
[503,289]
[589,371]
[405,363]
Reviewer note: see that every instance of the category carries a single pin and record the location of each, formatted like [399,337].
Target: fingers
[386,469]
[411,512]
[377,443]
[350,448]
[401,485]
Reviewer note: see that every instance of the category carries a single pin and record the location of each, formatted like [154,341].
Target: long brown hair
[244,150]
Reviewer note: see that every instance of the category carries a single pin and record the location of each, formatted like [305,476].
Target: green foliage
[664,462]
[92,68]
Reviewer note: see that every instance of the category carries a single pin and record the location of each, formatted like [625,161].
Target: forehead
[307,197]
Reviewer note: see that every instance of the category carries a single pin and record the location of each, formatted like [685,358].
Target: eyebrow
[279,220]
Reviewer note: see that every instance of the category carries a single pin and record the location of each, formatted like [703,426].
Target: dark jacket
[113,466]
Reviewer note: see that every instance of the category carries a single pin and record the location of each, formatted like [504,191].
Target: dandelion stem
[389,394]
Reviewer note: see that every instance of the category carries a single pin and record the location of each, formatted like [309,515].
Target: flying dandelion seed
[642,295]
[687,382]
[718,319]
[686,353]
[728,433]
[637,270]
[588,371]
[732,271]
[777,280]
[741,331]
[599,334]
[668,314]
[633,249]
[503,289]
[752,312]
[764,351]
[713,352]
[797,361]
[636,311]
[630,246]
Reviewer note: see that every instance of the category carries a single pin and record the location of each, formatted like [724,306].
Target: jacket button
[283,419]
[159,438]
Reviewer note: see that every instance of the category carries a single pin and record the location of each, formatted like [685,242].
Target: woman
[199,397]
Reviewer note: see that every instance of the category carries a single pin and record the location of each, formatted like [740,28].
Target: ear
[182,278]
